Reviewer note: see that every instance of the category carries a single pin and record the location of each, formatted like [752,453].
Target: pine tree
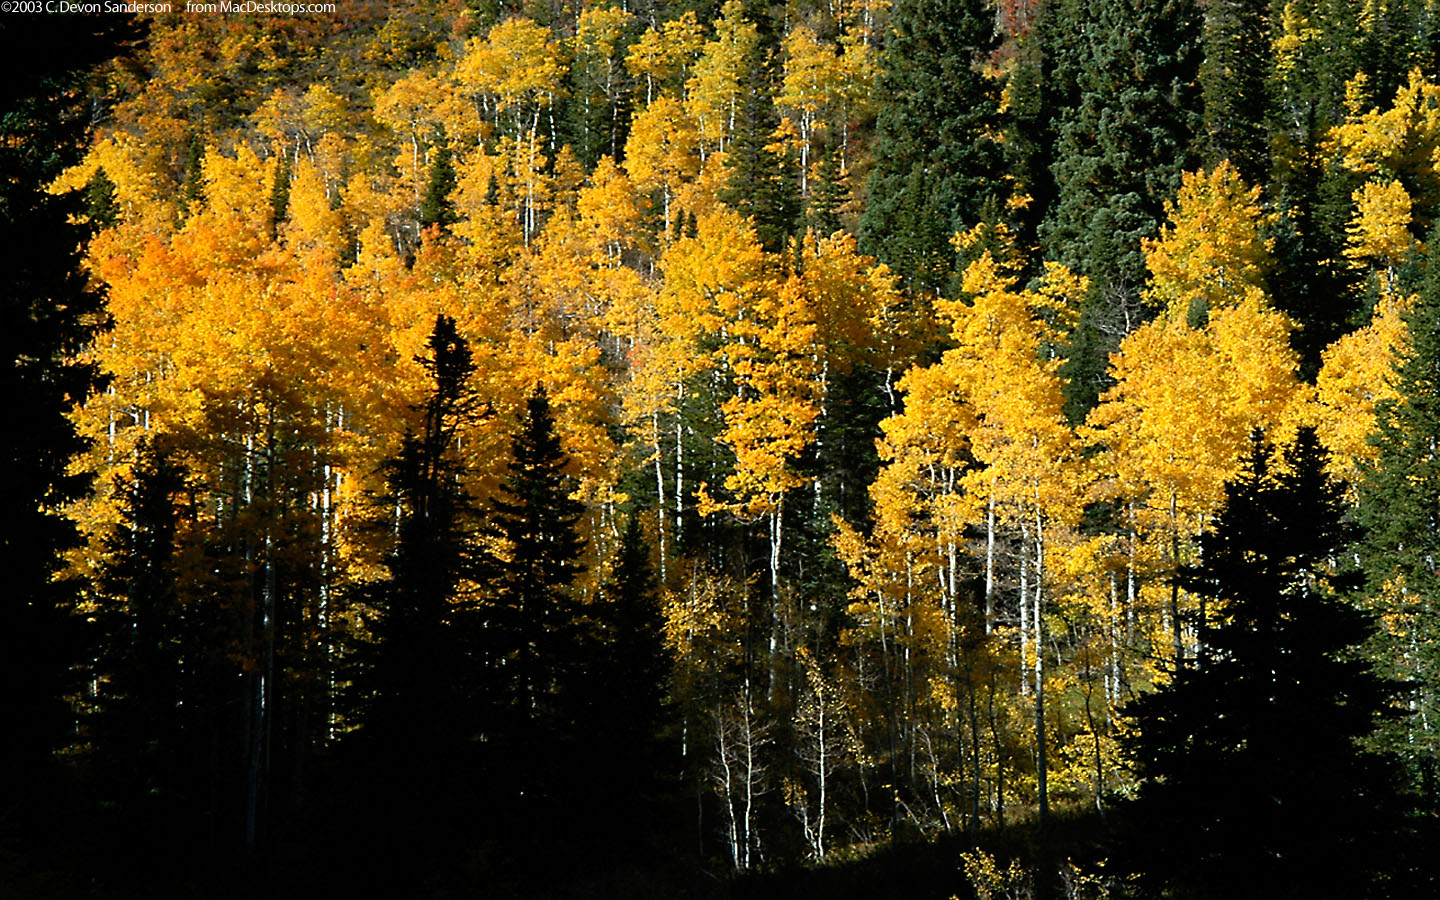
[539,636]
[413,688]
[761,182]
[938,156]
[1119,154]
[1233,80]
[634,660]
[1400,508]
[139,728]
[436,208]
[1253,780]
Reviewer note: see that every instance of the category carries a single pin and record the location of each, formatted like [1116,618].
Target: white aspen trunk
[679,467]
[1175,583]
[1041,752]
[990,566]
[822,772]
[1024,610]
[806,118]
[659,493]
[727,786]
[752,774]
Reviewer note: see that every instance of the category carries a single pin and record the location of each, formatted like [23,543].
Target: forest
[685,448]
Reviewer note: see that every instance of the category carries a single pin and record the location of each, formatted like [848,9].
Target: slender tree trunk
[1041,751]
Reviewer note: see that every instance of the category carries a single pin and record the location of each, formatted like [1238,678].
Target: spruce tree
[938,157]
[436,208]
[538,635]
[1119,154]
[413,686]
[1233,79]
[1400,508]
[138,731]
[633,658]
[1253,778]
[762,183]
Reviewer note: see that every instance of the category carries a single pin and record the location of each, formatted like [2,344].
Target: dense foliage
[715,437]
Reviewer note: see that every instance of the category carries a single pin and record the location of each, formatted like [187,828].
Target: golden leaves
[1211,255]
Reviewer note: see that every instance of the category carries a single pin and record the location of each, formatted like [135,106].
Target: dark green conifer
[102,207]
[280,195]
[538,636]
[139,729]
[49,313]
[762,183]
[413,688]
[938,157]
[436,207]
[1234,80]
[828,196]
[1253,778]
[1400,508]
[1120,151]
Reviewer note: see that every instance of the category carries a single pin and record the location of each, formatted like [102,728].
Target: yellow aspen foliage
[1292,38]
[1355,376]
[409,109]
[662,54]
[716,86]
[982,441]
[485,200]
[701,196]
[280,119]
[234,225]
[1184,403]
[814,78]
[140,190]
[1210,255]
[323,111]
[853,301]
[1173,427]
[1380,231]
[1379,236]
[315,229]
[609,210]
[598,32]
[1028,452]
[517,64]
[1397,143]
[712,278]
[661,153]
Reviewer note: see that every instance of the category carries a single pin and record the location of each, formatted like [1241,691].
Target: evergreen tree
[938,157]
[1119,154]
[1233,80]
[822,213]
[139,728]
[762,183]
[279,195]
[1400,508]
[102,207]
[634,662]
[436,208]
[413,689]
[1253,780]
[539,636]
